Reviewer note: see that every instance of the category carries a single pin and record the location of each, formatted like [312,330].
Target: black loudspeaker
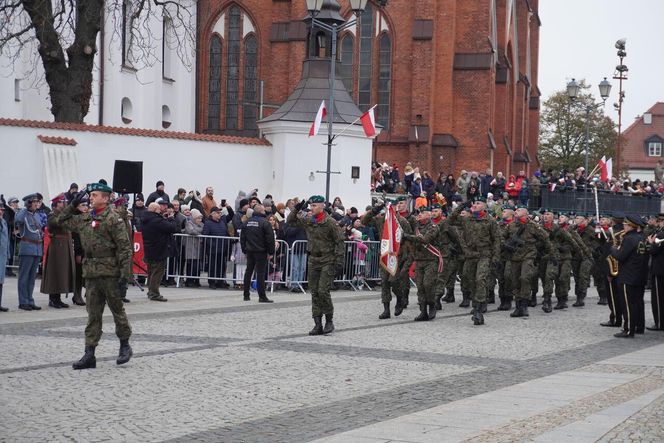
[128,177]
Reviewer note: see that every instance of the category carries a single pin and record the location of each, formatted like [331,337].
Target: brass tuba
[613,263]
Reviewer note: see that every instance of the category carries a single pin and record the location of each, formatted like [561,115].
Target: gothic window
[366,58]
[347,49]
[233,68]
[214,84]
[384,81]
[250,83]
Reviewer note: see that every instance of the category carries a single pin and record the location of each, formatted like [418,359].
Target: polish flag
[603,172]
[609,169]
[369,123]
[390,241]
[315,126]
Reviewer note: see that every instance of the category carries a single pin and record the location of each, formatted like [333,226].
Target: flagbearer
[428,264]
[392,233]
[326,254]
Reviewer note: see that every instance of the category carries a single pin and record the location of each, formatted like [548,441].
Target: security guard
[632,275]
[325,248]
[106,267]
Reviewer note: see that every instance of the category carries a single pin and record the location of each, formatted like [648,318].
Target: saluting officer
[632,275]
[106,267]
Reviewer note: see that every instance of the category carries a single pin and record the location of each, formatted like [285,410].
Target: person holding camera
[106,267]
[257,241]
[158,228]
[522,239]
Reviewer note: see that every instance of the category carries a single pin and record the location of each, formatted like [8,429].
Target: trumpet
[613,263]
[658,240]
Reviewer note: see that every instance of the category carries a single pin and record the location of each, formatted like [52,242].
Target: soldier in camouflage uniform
[428,263]
[325,248]
[459,260]
[120,204]
[376,219]
[106,263]
[580,253]
[480,241]
[447,241]
[503,272]
[522,239]
[562,269]
[406,251]
[582,265]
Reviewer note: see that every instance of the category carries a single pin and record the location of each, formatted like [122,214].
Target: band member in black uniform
[656,249]
[615,296]
[632,275]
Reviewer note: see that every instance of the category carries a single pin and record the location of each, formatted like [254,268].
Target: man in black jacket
[257,242]
[632,276]
[157,231]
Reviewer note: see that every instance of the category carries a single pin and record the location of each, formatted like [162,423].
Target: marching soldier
[615,297]
[105,267]
[405,252]
[632,275]
[549,265]
[656,249]
[581,260]
[503,271]
[480,241]
[601,269]
[522,240]
[325,248]
[376,219]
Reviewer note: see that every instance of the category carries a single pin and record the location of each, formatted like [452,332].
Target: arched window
[347,49]
[250,83]
[233,68]
[384,81]
[214,84]
[366,58]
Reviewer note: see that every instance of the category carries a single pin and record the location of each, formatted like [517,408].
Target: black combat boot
[561,303]
[424,316]
[579,301]
[77,299]
[386,311]
[432,310]
[58,300]
[398,308]
[52,303]
[439,305]
[264,299]
[465,302]
[318,328]
[505,305]
[518,311]
[533,299]
[524,308]
[449,298]
[478,317]
[329,325]
[603,300]
[88,360]
[491,298]
[546,304]
[125,352]
[404,300]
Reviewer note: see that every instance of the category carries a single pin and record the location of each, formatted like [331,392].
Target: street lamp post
[620,75]
[573,89]
[314,8]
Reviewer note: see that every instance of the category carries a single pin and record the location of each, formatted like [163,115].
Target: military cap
[619,215]
[506,207]
[12,200]
[634,220]
[101,187]
[317,199]
[480,199]
[390,201]
[402,198]
[545,210]
[572,213]
[424,209]
[161,201]
[58,198]
[521,206]
[31,197]
[435,206]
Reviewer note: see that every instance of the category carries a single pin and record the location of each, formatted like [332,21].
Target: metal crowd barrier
[220,259]
[584,201]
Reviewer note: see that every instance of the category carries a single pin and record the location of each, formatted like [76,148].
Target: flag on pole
[390,241]
[609,169]
[315,126]
[603,175]
[369,122]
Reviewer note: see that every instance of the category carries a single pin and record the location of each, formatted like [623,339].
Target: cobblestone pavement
[209,367]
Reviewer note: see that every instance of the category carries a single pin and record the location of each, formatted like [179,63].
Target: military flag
[390,241]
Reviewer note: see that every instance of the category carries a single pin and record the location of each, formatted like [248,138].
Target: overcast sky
[577,40]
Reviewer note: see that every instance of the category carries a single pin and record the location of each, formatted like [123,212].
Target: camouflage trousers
[320,281]
[99,292]
[547,273]
[447,278]
[520,277]
[391,285]
[581,269]
[402,279]
[426,276]
[563,278]
[476,275]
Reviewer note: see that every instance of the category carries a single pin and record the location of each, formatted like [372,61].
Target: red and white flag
[315,126]
[369,123]
[606,168]
[609,169]
[390,241]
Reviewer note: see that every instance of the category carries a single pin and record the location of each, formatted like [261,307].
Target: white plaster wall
[179,163]
[642,174]
[296,155]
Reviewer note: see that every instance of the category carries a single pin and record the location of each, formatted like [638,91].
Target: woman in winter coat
[511,188]
[498,184]
[59,265]
[192,248]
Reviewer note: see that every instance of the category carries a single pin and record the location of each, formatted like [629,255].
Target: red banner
[390,241]
[138,265]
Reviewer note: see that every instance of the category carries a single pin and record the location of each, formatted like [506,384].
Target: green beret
[545,210]
[402,198]
[480,199]
[521,206]
[317,199]
[101,187]
[424,209]
[435,206]
[390,201]
[506,207]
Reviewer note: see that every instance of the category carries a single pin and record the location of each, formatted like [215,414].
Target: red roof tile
[57,140]
[134,131]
